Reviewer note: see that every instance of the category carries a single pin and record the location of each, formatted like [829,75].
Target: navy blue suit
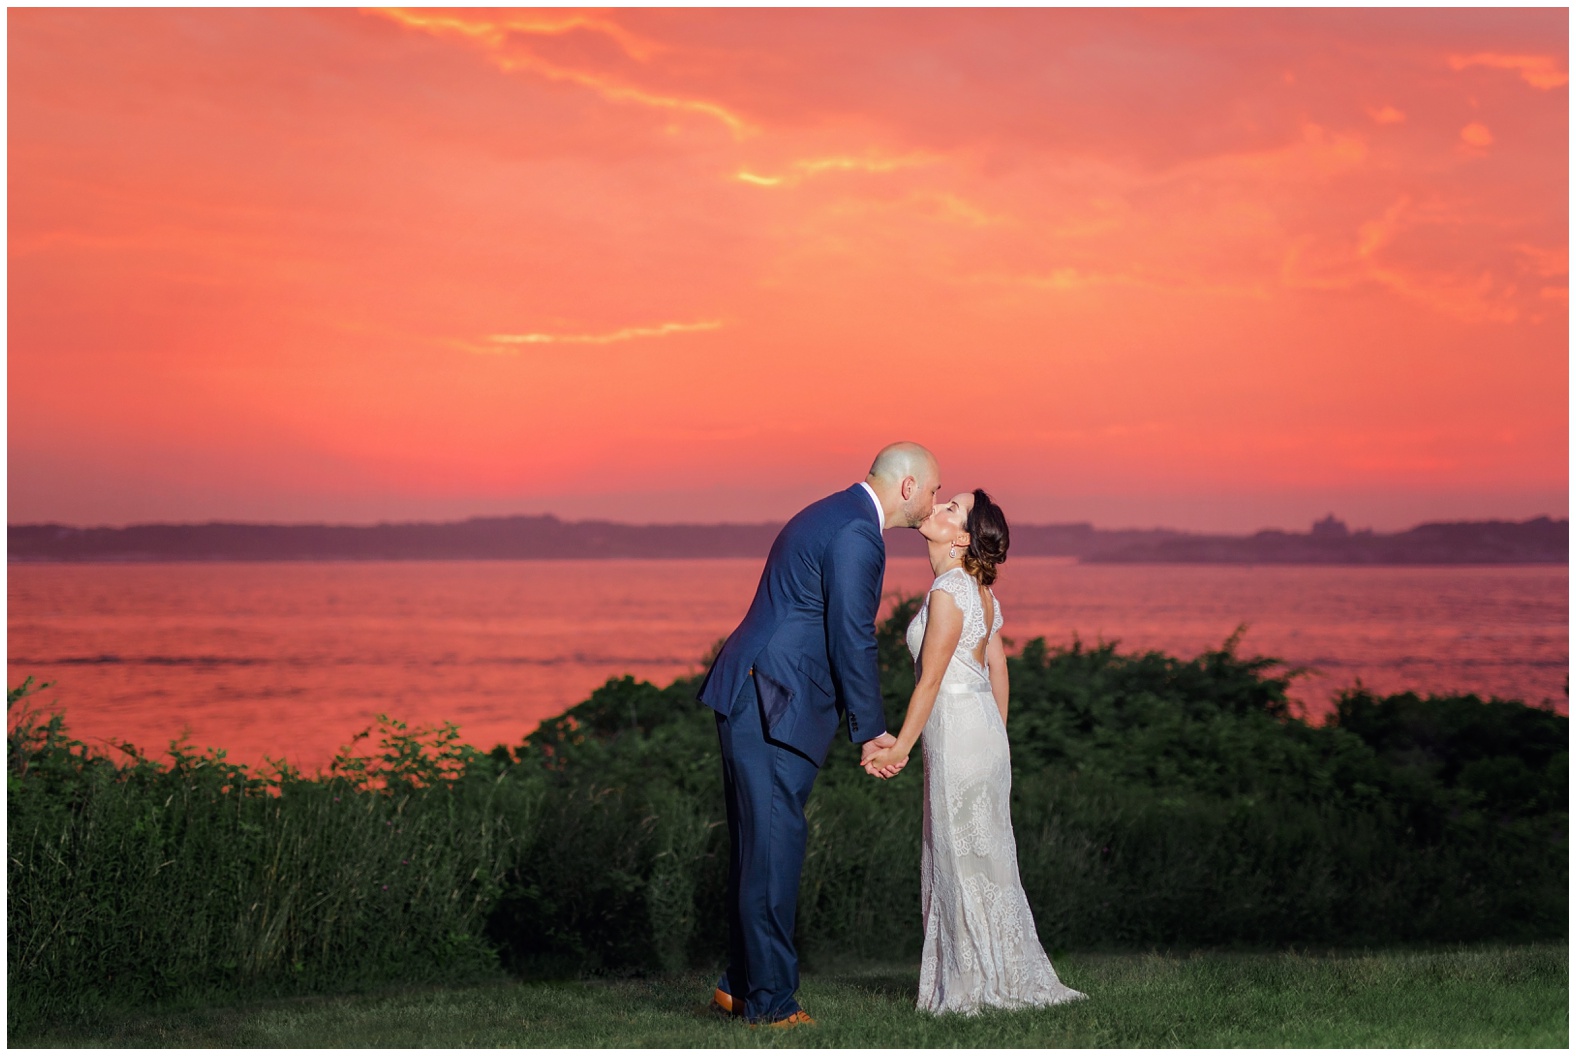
[805,653]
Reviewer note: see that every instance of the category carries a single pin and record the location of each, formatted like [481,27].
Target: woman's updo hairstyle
[987,528]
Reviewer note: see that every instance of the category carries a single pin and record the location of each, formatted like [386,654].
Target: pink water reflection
[289,660]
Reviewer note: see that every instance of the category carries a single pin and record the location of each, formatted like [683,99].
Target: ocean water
[290,660]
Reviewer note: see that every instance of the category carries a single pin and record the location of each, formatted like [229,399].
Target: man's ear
[908,487]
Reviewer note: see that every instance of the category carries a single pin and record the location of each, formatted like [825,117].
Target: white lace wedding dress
[981,949]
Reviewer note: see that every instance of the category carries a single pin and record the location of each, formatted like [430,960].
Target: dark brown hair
[988,537]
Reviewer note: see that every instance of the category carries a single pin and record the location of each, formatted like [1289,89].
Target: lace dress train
[981,947]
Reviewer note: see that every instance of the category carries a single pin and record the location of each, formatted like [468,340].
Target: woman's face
[948,520]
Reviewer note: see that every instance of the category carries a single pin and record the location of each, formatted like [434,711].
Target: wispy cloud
[1477,136]
[1317,154]
[1071,279]
[803,169]
[1547,262]
[954,207]
[503,39]
[1540,71]
[511,342]
[867,164]
[1377,234]
[1477,298]
[496,30]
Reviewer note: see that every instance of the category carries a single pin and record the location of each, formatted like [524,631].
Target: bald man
[804,656]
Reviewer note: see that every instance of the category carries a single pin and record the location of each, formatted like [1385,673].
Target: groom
[804,655]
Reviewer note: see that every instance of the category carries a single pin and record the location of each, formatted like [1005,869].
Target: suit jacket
[810,634]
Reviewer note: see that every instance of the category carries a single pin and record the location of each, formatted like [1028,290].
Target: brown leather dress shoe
[800,1018]
[722,1001]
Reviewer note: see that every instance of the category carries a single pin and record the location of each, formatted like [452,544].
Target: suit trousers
[766,785]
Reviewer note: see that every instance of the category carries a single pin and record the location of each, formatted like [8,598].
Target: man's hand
[880,758]
[874,745]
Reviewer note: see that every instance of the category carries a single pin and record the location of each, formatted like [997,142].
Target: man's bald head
[905,478]
[902,459]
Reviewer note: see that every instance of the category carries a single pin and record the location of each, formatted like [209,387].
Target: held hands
[886,763]
[881,757]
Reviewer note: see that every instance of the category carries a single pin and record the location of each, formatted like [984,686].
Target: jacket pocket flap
[821,680]
[776,698]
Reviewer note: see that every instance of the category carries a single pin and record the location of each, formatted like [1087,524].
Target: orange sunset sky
[1214,270]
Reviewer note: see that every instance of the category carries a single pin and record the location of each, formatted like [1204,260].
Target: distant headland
[1328,542]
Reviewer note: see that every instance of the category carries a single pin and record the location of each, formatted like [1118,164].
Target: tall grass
[138,881]
[1157,802]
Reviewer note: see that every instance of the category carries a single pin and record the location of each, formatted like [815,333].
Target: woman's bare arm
[996,664]
[943,629]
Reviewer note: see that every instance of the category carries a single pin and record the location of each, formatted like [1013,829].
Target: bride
[981,949]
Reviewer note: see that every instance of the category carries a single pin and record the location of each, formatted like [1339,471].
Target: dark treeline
[479,538]
[513,538]
[1538,541]
[1157,801]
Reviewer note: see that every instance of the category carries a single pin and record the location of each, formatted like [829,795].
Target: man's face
[918,505]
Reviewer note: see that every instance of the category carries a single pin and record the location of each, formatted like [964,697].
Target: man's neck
[875,497]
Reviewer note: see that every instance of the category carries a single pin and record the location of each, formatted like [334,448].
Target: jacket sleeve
[851,581]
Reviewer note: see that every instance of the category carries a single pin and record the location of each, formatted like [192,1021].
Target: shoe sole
[798,1019]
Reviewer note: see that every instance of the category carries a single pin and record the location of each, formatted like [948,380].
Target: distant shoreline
[1539,541]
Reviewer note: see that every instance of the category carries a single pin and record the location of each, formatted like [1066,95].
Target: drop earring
[952,551]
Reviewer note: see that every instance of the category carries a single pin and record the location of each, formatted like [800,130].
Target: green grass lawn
[1475,996]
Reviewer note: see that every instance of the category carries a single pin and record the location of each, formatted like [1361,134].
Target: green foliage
[1157,801]
[1161,800]
[139,881]
[1495,756]
[406,759]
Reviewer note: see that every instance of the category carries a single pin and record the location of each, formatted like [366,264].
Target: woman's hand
[886,762]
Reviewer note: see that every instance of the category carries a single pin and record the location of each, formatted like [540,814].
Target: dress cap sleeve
[957,583]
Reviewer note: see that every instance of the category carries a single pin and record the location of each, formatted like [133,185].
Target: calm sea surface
[291,659]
